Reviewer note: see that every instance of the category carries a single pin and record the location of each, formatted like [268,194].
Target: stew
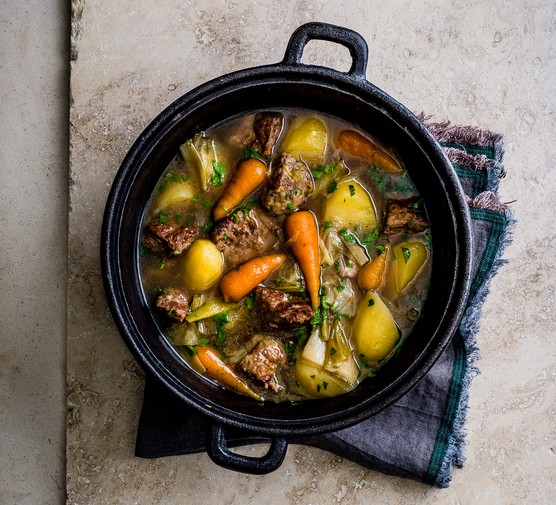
[286,254]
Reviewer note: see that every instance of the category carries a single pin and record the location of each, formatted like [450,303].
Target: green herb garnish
[250,152]
[333,186]
[219,172]
[406,254]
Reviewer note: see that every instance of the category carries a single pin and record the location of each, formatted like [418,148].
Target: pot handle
[217,449]
[332,33]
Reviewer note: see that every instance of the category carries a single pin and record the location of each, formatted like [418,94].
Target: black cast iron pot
[288,84]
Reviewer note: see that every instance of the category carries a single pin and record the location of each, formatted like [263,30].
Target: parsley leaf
[333,186]
[219,172]
[250,152]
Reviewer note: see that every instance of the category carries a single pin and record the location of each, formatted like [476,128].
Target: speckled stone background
[489,64]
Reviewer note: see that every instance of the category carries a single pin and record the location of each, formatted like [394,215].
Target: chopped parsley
[218,173]
[250,152]
[323,169]
[208,226]
[333,186]
[171,177]
[249,302]
[346,235]
[406,254]
[351,189]
[380,249]
[221,320]
[163,218]
[203,341]
[369,239]
[328,225]
[371,303]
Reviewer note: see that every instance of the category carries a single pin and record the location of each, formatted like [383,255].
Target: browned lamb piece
[404,215]
[289,186]
[263,362]
[267,127]
[174,303]
[279,310]
[243,235]
[176,237]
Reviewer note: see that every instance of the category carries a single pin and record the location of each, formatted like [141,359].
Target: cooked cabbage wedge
[199,154]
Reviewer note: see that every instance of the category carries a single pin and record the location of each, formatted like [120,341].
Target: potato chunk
[202,265]
[307,140]
[348,205]
[318,383]
[374,330]
[175,192]
[409,258]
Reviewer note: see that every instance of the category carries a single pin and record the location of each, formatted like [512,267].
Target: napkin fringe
[457,134]
[469,327]
[475,162]
[487,200]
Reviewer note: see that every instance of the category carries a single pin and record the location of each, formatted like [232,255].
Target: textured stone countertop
[489,64]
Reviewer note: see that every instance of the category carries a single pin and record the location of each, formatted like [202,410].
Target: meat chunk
[289,186]
[176,237]
[174,302]
[267,128]
[263,362]
[278,310]
[244,235]
[404,215]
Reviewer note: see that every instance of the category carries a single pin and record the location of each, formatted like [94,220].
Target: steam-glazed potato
[202,265]
[307,140]
[350,204]
[374,330]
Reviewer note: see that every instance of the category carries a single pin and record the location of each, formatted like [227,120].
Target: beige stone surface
[34,75]
[489,64]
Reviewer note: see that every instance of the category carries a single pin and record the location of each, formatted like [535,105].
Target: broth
[242,289]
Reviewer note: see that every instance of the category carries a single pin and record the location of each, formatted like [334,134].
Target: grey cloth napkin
[421,436]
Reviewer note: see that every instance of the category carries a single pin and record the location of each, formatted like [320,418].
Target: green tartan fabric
[421,436]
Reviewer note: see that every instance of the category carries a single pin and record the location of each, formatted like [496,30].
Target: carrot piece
[354,143]
[240,281]
[301,231]
[224,374]
[249,175]
[370,276]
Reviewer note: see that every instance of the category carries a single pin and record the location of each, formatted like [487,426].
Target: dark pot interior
[350,97]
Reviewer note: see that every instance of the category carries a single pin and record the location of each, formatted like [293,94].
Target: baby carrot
[354,143]
[370,276]
[249,175]
[216,368]
[301,231]
[240,281]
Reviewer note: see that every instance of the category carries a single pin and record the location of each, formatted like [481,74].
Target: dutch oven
[349,96]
